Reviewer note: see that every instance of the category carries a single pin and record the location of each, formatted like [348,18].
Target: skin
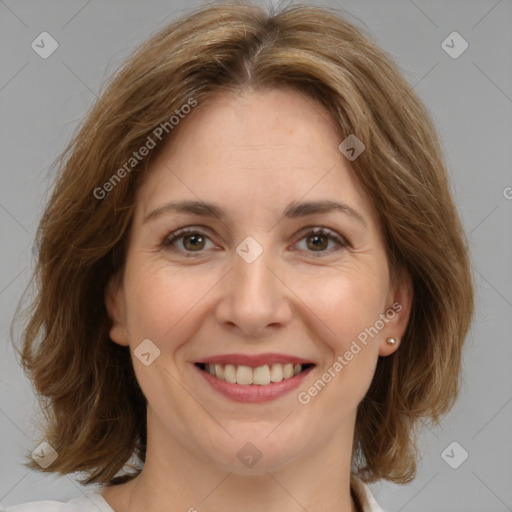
[252,153]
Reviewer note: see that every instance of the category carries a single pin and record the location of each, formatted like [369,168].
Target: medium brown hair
[95,411]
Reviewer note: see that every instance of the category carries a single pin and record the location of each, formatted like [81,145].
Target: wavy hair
[95,412]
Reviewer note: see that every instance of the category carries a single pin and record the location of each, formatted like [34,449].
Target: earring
[391,341]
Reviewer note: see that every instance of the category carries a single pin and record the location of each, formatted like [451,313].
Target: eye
[317,241]
[194,241]
[191,240]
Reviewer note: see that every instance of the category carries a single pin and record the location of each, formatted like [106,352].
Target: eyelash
[181,233]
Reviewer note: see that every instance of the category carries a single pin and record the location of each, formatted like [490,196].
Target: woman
[252,275]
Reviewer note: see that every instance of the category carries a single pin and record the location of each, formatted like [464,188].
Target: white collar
[364,495]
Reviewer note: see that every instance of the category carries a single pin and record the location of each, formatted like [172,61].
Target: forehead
[262,148]
[272,123]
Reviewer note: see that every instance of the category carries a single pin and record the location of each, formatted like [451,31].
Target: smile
[259,376]
[253,378]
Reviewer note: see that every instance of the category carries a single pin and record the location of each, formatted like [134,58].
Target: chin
[256,447]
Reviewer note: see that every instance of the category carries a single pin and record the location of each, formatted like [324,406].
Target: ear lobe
[401,305]
[115,304]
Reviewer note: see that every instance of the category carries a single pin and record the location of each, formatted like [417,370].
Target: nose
[255,299]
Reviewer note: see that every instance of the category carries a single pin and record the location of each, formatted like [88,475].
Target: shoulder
[365,496]
[90,502]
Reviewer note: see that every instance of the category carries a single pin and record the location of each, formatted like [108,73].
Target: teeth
[260,376]
[276,374]
[229,373]
[243,375]
[219,371]
[288,371]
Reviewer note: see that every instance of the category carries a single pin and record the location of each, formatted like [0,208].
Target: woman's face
[253,287]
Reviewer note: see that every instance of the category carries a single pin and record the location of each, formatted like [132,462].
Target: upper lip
[253,360]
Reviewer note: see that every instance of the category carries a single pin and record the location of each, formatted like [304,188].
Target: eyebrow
[293,211]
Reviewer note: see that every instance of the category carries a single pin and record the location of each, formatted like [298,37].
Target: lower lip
[252,393]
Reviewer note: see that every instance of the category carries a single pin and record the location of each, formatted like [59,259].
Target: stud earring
[391,341]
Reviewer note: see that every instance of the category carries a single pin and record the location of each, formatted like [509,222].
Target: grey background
[470,98]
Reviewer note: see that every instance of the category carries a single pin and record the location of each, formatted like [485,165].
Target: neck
[175,479]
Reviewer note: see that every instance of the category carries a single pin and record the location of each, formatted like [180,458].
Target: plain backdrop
[42,101]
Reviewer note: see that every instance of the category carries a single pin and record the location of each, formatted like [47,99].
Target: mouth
[262,375]
[254,378]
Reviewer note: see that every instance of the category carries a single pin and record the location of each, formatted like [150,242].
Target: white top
[89,502]
[94,502]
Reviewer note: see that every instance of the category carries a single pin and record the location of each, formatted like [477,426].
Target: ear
[398,311]
[116,308]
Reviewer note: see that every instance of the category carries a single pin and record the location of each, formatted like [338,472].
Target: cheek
[164,303]
[163,306]
[348,304]
[346,301]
